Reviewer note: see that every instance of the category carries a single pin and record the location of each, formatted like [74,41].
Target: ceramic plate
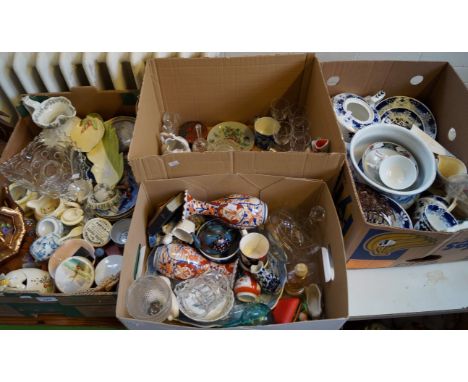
[234,131]
[377,152]
[129,189]
[379,209]
[419,113]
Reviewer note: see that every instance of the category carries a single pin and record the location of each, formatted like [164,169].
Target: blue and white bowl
[435,218]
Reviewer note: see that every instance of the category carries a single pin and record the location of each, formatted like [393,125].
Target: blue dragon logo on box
[382,245]
[460,245]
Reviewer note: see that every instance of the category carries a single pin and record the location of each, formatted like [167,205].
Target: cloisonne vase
[238,210]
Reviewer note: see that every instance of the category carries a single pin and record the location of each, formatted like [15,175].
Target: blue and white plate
[406,111]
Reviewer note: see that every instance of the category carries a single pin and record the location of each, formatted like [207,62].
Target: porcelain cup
[435,218]
[397,172]
[265,128]
[254,249]
[247,289]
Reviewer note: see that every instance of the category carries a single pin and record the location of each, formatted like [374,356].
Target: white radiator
[25,72]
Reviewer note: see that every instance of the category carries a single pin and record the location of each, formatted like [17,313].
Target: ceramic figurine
[182,262]
[238,210]
[174,144]
[52,113]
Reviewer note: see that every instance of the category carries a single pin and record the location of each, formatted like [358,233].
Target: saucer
[420,112]
[377,152]
[235,131]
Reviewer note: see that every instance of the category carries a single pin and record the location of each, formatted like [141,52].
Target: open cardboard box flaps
[214,90]
[86,100]
[277,192]
[376,246]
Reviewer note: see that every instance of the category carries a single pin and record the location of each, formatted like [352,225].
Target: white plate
[108,267]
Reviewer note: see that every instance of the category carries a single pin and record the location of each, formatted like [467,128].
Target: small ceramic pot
[72,216]
[51,113]
[49,225]
[97,232]
[30,280]
[247,289]
[434,218]
[421,204]
[265,128]
[44,247]
[268,280]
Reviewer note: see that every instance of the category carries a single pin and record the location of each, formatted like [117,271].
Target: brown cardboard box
[213,90]
[86,100]
[277,192]
[374,246]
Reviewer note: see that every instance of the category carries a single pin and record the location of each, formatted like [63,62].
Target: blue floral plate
[406,111]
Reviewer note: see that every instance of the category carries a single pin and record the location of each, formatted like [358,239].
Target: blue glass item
[217,241]
[253,315]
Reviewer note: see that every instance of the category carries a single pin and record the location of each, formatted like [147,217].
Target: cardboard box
[277,192]
[214,90]
[375,246]
[86,100]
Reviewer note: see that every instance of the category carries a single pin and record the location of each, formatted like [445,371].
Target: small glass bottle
[297,280]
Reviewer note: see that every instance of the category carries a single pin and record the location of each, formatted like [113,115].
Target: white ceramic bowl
[398,172]
[396,134]
[109,266]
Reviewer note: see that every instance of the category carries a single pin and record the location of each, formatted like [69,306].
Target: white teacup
[397,172]
[184,231]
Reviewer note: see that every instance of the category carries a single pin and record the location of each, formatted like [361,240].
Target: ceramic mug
[184,231]
[247,289]
[265,128]
[254,249]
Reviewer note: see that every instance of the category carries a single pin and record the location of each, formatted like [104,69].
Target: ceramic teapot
[51,113]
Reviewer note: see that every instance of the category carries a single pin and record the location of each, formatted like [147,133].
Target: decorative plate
[377,152]
[234,131]
[420,113]
[379,209]
[129,191]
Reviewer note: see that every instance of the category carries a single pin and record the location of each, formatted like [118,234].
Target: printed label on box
[383,245]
